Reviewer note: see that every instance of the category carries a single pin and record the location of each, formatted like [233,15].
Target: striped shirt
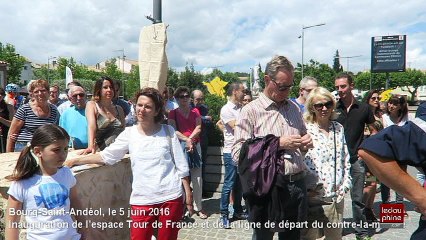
[262,117]
[32,121]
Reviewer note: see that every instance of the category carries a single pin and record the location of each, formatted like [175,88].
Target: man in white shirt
[229,114]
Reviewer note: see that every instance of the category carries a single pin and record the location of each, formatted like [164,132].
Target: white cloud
[234,34]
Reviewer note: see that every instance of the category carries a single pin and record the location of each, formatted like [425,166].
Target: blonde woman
[328,164]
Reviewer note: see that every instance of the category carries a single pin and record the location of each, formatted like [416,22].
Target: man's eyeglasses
[183,96]
[308,90]
[199,99]
[320,106]
[282,87]
[79,95]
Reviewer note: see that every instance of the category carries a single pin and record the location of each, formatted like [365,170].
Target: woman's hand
[189,203]
[189,145]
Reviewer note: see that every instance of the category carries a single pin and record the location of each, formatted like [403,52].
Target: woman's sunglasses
[320,106]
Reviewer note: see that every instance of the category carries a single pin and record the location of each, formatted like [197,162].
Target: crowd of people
[302,152]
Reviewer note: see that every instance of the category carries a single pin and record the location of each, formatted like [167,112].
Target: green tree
[111,70]
[337,67]
[190,78]
[132,83]
[321,71]
[15,62]
[172,78]
[411,77]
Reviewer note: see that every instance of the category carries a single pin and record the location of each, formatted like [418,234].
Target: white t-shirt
[229,112]
[46,205]
[388,122]
[157,178]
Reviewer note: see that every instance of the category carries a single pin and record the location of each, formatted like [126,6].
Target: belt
[294,177]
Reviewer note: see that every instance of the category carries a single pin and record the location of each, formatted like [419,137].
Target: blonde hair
[37,83]
[318,93]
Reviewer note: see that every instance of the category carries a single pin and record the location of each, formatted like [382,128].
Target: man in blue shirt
[73,119]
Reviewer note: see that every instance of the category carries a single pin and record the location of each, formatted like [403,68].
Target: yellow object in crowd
[384,96]
[216,86]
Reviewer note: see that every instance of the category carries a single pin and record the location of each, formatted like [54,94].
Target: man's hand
[306,143]
[291,142]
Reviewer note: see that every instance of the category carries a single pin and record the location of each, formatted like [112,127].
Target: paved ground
[210,229]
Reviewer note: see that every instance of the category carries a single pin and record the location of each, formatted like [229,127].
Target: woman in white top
[328,165]
[158,165]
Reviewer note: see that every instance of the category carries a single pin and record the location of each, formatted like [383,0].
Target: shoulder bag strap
[169,139]
[335,157]
[176,121]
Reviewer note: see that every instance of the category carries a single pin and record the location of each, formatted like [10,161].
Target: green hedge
[215,103]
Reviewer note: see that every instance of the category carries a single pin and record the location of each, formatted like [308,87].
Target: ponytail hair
[27,164]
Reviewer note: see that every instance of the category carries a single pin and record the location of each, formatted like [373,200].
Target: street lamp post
[303,39]
[347,60]
[48,67]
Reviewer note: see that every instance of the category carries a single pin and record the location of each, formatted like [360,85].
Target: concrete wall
[106,189]
[101,190]
[214,171]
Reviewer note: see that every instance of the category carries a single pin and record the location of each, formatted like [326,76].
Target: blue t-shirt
[301,106]
[74,121]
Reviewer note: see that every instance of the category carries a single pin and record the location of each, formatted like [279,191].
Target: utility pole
[303,40]
[48,67]
[157,18]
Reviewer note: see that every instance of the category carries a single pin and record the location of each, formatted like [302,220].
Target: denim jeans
[232,182]
[358,177]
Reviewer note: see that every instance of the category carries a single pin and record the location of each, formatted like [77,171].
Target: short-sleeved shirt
[46,205]
[229,112]
[32,121]
[301,106]
[404,144]
[185,125]
[354,123]
[74,121]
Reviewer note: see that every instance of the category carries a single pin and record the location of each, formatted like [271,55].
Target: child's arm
[12,232]
[76,204]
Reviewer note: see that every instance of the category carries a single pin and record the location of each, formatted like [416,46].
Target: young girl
[42,189]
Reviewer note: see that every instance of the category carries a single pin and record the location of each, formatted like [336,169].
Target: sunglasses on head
[183,96]
[320,106]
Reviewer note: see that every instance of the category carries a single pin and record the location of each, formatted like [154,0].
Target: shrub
[215,103]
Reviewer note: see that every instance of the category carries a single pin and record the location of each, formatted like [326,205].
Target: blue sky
[234,35]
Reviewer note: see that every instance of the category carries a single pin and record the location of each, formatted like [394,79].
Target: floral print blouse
[320,160]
